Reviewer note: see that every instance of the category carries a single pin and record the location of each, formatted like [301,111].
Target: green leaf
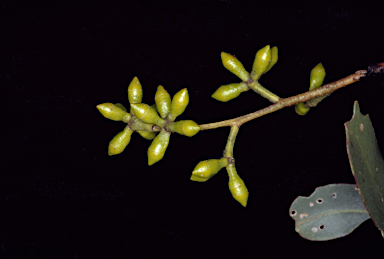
[332,211]
[367,164]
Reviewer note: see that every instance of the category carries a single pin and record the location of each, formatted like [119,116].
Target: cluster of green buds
[265,59]
[148,120]
[206,169]
[316,80]
[160,118]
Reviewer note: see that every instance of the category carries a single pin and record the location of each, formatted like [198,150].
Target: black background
[61,194]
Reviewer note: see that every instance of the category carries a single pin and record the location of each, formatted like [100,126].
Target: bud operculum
[262,60]
[317,76]
[231,63]
[163,101]
[302,108]
[204,170]
[120,141]
[236,185]
[274,58]
[113,112]
[179,103]
[135,91]
[158,146]
[184,127]
[228,92]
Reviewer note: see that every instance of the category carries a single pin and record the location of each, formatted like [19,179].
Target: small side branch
[228,151]
[258,88]
[375,69]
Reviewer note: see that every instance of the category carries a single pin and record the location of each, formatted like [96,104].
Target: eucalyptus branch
[148,120]
[286,102]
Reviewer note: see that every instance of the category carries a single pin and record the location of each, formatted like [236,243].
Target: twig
[286,102]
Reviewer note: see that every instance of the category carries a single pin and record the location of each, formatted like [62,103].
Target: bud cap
[231,63]
[301,108]
[157,149]
[204,170]
[163,101]
[317,76]
[135,91]
[184,127]
[113,112]
[274,58]
[226,93]
[120,142]
[262,60]
[236,185]
[179,103]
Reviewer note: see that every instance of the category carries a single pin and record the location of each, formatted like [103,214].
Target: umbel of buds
[148,120]
[265,59]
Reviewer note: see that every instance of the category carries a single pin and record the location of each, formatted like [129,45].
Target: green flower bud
[179,103]
[157,149]
[231,63]
[147,134]
[316,80]
[317,76]
[236,186]
[228,92]
[135,91]
[121,106]
[301,108]
[113,112]
[119,142]
[262,60]
[208,168]
[274,58]
[147,114]
[163,101]
[184,127]
[154,106]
